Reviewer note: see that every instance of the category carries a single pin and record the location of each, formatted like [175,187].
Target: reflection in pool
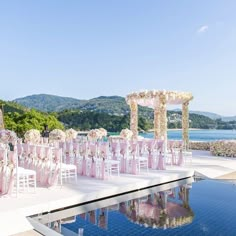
[164,209]
[184,207]
[161,207]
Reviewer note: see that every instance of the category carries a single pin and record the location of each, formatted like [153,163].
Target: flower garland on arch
[149,98]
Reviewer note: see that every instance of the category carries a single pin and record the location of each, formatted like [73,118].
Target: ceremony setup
[63,156]
[40,174]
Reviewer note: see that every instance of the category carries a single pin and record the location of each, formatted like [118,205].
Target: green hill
[110,108]
[113,105]
[13,107]
[49,103]
[20,119]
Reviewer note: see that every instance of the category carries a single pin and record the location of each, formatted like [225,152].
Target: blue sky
[85,49]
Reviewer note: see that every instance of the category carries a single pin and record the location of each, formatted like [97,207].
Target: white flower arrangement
[103,132]
[57,135]
[96,134]
[7,136]
[126,134]
[32,136]
[71,134]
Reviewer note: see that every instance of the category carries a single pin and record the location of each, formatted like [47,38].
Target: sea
[199,135]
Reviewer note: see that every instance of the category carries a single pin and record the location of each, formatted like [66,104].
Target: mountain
[214,116]
[13,107]
[228,118]
[49,103]
[211,115]
[113,105]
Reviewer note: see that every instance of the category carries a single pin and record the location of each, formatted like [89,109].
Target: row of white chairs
[14,178]
[47,162]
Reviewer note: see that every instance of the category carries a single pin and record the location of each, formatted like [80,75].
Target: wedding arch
[158,100]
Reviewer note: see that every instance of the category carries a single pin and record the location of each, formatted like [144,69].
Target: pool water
[184,207]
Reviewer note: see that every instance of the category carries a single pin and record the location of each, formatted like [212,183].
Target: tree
[32,119]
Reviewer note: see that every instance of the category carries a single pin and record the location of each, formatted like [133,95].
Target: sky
[90,48]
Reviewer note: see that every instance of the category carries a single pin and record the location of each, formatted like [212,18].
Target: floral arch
[158,100]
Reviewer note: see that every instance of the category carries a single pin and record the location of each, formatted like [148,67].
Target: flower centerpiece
[57,135]
[126,134]
[71,134]
[7,136]
[32,136]
[103,132]
[93,135]
[96,134]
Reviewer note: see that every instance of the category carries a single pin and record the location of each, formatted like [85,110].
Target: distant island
[109,112]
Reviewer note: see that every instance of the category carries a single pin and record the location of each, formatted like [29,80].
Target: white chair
[67,171]
[188,156]
[23,178]
[112,167]
[107,168]
[140,161]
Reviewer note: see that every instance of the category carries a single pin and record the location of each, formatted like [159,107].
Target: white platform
[86,189]
[89,189]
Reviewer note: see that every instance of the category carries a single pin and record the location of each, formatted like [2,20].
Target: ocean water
[199,135]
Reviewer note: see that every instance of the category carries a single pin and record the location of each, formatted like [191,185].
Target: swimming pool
[183,207]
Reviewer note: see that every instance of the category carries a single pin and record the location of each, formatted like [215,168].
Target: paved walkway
[28,233]
[212,167]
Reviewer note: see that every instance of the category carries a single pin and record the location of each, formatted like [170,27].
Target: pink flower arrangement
[7,136]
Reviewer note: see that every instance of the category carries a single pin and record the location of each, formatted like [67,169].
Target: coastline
[152,130]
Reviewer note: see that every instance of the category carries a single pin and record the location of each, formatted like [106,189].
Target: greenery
[225,125]
[196,121]
[20,119]
[13,107]
[85,120]
[111,113]
[113,105]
